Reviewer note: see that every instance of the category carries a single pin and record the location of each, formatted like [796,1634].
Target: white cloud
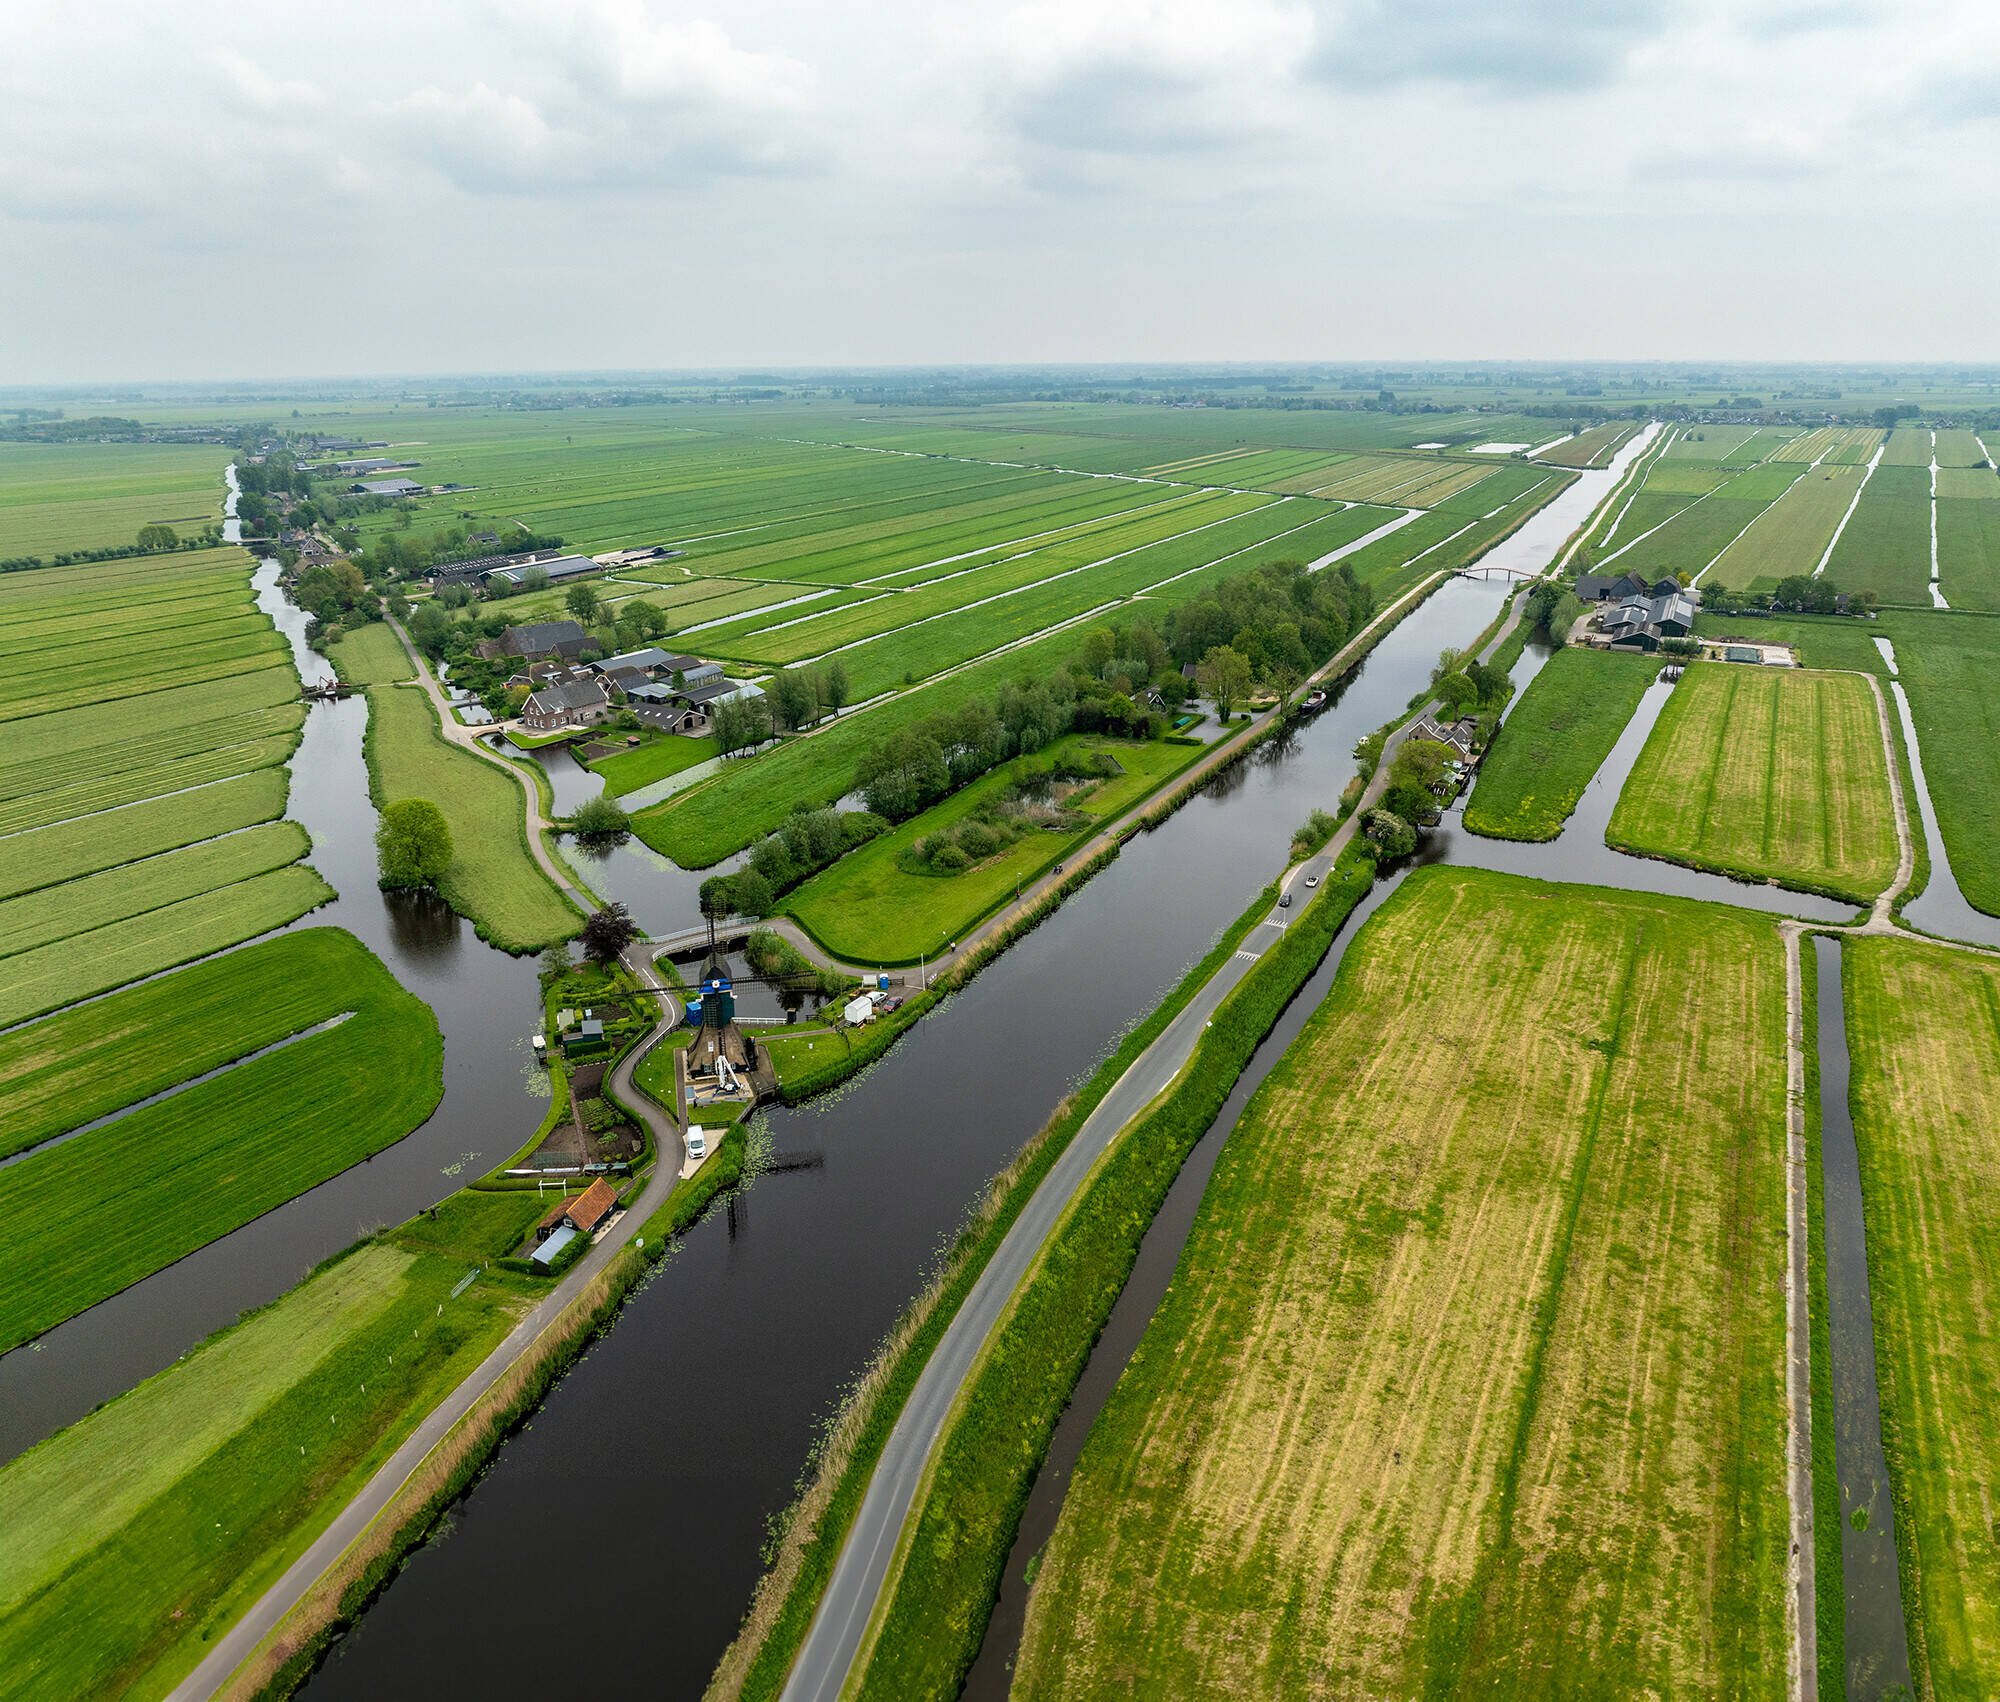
[259,92]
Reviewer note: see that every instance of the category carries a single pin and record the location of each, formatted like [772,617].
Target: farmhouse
[539,638]
[1457,736]
[1639,623]
[578,701]
[555,567]
[1616,588]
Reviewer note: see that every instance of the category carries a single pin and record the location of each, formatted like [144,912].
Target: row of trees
[807,842]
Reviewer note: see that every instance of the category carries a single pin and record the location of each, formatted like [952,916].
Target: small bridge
[1485,570]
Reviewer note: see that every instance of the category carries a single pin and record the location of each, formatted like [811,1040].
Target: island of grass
[493,879]
[1948,664]
[1471,1380]
[916,889]
[1554,740]
[144,1530]
[323,1060]
[1923,1027]
[371,655]
[1766,774]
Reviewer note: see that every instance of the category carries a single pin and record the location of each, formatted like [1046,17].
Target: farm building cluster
[666,690]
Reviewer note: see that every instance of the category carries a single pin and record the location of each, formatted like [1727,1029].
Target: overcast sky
[194,190]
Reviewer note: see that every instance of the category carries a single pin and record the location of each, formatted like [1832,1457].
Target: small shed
[1742,653]
[585,1038]
[557,1240]
[858,1011]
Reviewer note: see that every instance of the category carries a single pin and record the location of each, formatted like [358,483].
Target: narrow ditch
[1877,1655]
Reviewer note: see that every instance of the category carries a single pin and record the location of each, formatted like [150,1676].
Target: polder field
[57,497]
[1471,1376]
[1947,663]
[1924,1038]
[1554,740]
[321,1060]
[1766,774]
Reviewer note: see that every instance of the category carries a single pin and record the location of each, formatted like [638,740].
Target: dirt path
[1882,918]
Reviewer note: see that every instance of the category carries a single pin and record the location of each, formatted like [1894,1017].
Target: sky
[193,190]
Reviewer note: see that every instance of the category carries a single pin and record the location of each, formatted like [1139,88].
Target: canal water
[1878,1648]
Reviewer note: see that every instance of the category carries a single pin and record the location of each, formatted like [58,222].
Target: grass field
[56,497]
[868,910]
[1554,740]
[1709,443]
[1968,552]
[371,655]
[97,1212]
[1767,774]
[1593,447]
[628,770]
[1909,446]
[45,856]
[1702,530]
[492,880]
[1923,1030]
[1471,1377]
[140,1532]
[1792,535]
[1949,663]
[1886,547]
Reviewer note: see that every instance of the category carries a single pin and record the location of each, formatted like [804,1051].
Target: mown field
[867,909]
[1554,740]
[493,880]
[57,497]
[1593,447]
[371,655]
[104,1208]
[628,770]
[1699,533]
[1948,664]
[1908,446]
[1793,534]
[1471,1377]
[1886,547]
[142,1531]
[1968,546]
[1766,774]
[1923,1029]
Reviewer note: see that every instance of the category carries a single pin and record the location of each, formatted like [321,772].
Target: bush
[412,844]
[601,815]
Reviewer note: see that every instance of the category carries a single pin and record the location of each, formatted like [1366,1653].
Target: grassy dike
[1000,1428]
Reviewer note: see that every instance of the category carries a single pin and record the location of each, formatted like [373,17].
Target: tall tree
[608,932]
[412,844]
[1224,675]
[582,603]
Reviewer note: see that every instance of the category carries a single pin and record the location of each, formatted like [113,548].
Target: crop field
[44,857]
[1968,552]
[1766,774]
[1978,483]
[1471,1377]
[1925,1046]
[1886,547]
[1554,740]
[1948,664]
[493,880]
[1691,539]
[56,497]
[139,1533]
[1593,447]
[866,909]
[1838,445]
[1909,446]
[101,1210]
[1501,485]
[1959,448]
[1668,487]
[1793,533]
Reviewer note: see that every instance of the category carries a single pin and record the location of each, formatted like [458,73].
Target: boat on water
[1314,700]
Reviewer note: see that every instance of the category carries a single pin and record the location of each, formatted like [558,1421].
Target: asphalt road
[237,1643]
